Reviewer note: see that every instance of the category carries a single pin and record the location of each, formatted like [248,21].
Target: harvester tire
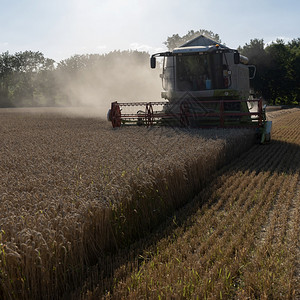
[149,115]
[116,116]
[184,113]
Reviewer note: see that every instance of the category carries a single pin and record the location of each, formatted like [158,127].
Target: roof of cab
[199,44]
[193,49]
[202,40]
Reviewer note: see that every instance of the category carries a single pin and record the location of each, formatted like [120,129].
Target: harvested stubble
[73,189]
[238,239]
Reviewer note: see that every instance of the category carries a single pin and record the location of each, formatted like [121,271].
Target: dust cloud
[122,77]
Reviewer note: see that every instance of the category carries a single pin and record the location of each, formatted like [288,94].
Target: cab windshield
[197,72]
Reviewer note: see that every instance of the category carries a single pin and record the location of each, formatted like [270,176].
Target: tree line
[278,70]
[30,79]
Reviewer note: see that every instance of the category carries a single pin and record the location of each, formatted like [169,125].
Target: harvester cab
[205,84]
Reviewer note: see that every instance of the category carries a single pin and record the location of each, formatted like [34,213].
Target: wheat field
[238,239]
[72,189]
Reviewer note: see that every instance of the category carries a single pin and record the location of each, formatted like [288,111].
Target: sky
[62,28]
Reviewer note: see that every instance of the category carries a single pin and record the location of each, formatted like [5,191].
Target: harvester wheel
[149,115]
[184,111]
[116,115]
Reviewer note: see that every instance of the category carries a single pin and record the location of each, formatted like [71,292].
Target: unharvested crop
[72,190]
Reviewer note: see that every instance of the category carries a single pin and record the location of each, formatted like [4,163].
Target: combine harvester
[206,85]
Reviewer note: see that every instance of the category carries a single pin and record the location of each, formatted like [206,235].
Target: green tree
[33,76]
[279,73]
[6,71]
[257,55]
[176,40]
[294,47]
[21,76]
[278,66]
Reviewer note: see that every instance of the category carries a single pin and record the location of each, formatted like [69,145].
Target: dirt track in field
[239,238]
